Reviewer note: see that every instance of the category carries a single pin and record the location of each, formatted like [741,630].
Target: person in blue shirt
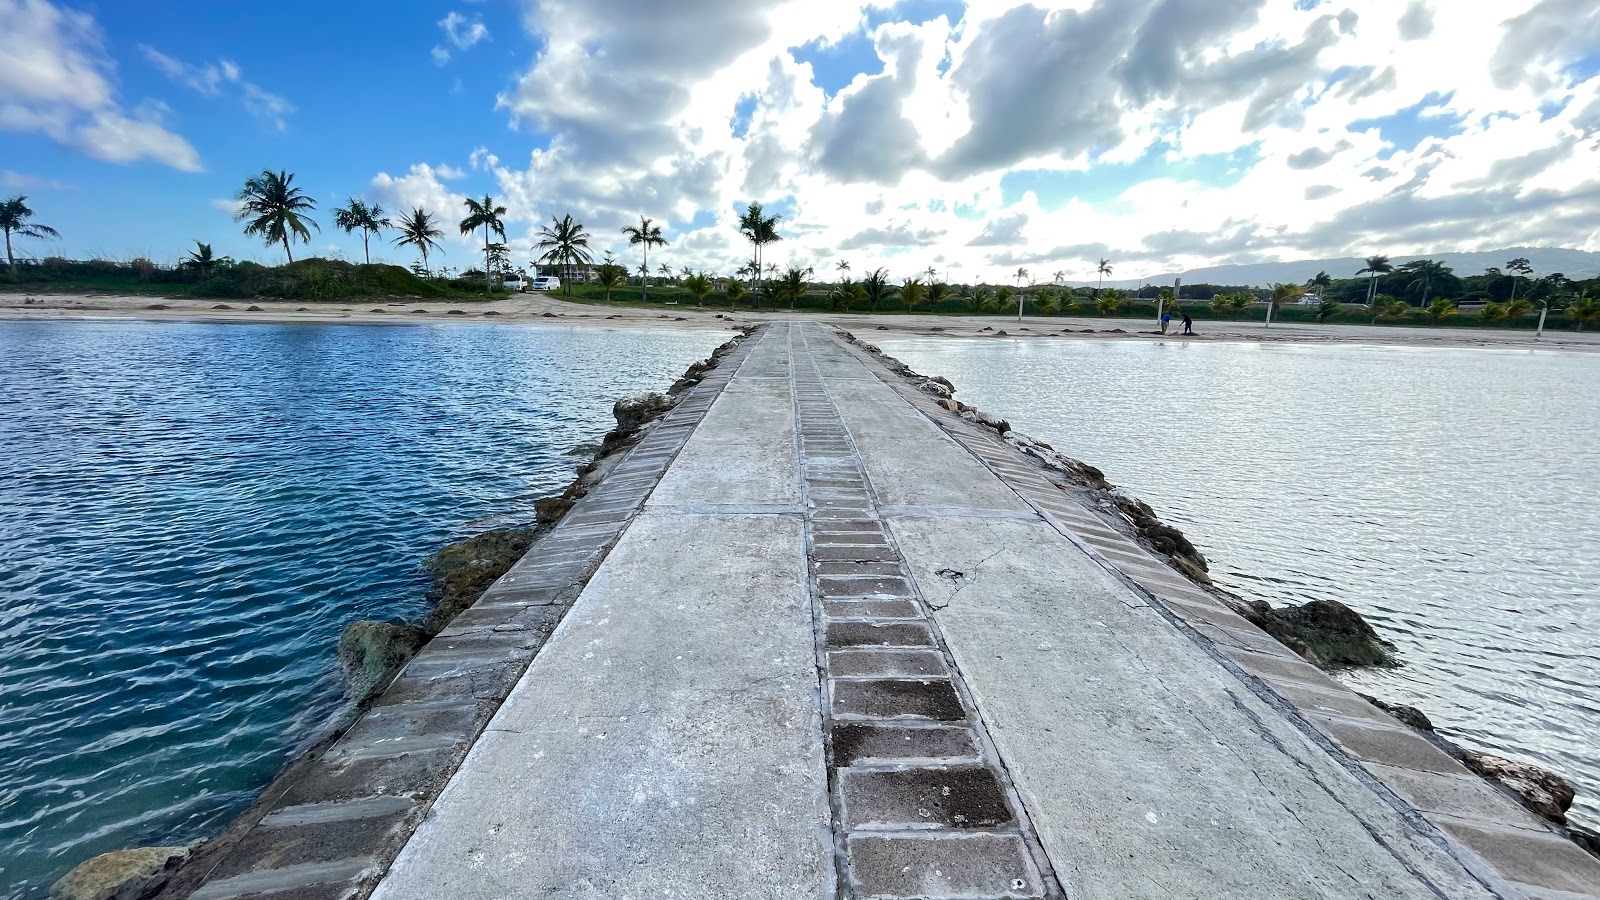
[1166,319]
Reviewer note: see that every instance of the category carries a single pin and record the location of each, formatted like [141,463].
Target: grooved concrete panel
[744,453]
[1147,767]
[666,743]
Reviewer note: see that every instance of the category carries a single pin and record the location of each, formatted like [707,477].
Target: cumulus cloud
[55,79]
[21,181]
[223,76]
[1274,130]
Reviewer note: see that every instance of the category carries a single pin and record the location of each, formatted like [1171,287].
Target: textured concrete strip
[323,813]
[1542,859]
[943,867]
[287,878]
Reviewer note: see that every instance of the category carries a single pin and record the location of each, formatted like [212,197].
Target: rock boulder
[121,875]
[1540,790]
[372,652]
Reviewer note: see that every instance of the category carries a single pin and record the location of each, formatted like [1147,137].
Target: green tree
[842,266]
[1387,307]
[983,299]
[911,291]
[1047,304]
[734,291]
[1438,310]
[565,244]
[938,292]
[200,259]
[275,210]
[1519,268]
[1240,301]
[1518,308]
[1493,314]
[1002,298]
[760,230]
[876,287]
[1321,281]
[1584,310]
[840,295]
[1327,309]
[356,214]
[699,287]
[1111,302]
[1104,269]
[1284,293]
[610,275]
[499,259]
[794,284]
[1425,273]
[418,231]
[14,220]
[484,214]
[1221,304]
[1375,266]
[646,234]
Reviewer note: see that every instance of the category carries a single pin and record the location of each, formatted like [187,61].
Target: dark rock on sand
[1335,633]
[222,306]
[1408,715]
[158,306]
[259,309]
[121,875]
[462,571]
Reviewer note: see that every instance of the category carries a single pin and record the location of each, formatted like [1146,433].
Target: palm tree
[200,259]
[1321,281]
[1427,271]
[1283,293]
[357,214]
[734,291]
[484,214]
[1059,276]
[1112,302]
[760,230]
[275,209]
[1516,309]
[876,287]
[1327,309]
[565,244]
[841,294]
[666,272]
[1584,310]
[842,266]
[1440,308]
[794,284]
[418,230]
[699,287]
[649,234]
[1104,270]
[1387,307]
[937,293]
[1375,266]
[1492,314]
[610,275]
[14,216]
[911,293]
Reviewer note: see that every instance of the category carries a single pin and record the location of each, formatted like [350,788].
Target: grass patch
[311,280]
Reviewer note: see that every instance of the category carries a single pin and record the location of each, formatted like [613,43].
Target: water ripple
[189,514]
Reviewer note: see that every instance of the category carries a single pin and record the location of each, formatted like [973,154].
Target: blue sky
[909,134]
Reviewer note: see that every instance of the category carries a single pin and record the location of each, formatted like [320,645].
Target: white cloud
[211,79]
[1162,133]
[20,181]
[461,32]
[55,79]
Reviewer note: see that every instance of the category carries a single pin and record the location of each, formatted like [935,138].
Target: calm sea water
[1451,496]
[190,514]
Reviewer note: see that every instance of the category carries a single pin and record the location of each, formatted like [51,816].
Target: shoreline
[546,309]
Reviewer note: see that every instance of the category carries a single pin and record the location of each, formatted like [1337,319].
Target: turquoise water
[190,514]
[1452,496]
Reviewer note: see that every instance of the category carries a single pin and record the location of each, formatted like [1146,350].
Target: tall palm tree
[357,214]
[14,216]
[1425,272]
[417,229]
[876,287]
[484,214]
[1321,281]
[1059,276]
[911,293]
[1283,293]
[275,209]
[1104,269]
[760,230]
[649,234]
[842,266]
[1375,266]
[794,284]
[565,244]
[734,291]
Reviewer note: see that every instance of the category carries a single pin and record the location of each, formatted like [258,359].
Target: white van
[547,283]
[514,283]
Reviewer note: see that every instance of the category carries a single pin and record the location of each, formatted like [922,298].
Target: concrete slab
[666,743]
[744,451]
[1148,769]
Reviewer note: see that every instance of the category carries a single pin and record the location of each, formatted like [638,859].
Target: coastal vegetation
[1421,292]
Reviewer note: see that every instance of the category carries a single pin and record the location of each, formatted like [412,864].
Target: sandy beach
[548,309]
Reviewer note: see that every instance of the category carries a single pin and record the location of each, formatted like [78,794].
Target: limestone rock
[1335,632]
[933,387]
[1408,715]
[634,412]
[121,875]
[372,652]
[551,509]
[1542,791]
[462,571]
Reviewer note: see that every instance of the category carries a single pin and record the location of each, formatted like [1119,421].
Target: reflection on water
[1452,496]
[189,514]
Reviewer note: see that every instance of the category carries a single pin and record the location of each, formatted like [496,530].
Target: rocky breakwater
[372,653]
[1325,632]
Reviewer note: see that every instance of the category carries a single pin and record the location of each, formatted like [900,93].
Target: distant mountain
[1575,264]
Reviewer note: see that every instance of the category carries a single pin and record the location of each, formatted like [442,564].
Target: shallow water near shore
[1452,496]
[190,514]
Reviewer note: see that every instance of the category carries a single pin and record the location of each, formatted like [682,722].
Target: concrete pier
[825,639]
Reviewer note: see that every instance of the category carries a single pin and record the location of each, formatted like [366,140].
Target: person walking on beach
[1166,319]
[1188,324]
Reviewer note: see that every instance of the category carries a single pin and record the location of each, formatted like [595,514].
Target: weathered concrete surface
[666,742]
[1005,714]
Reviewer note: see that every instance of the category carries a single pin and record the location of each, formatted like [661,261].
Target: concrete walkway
[848,649]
